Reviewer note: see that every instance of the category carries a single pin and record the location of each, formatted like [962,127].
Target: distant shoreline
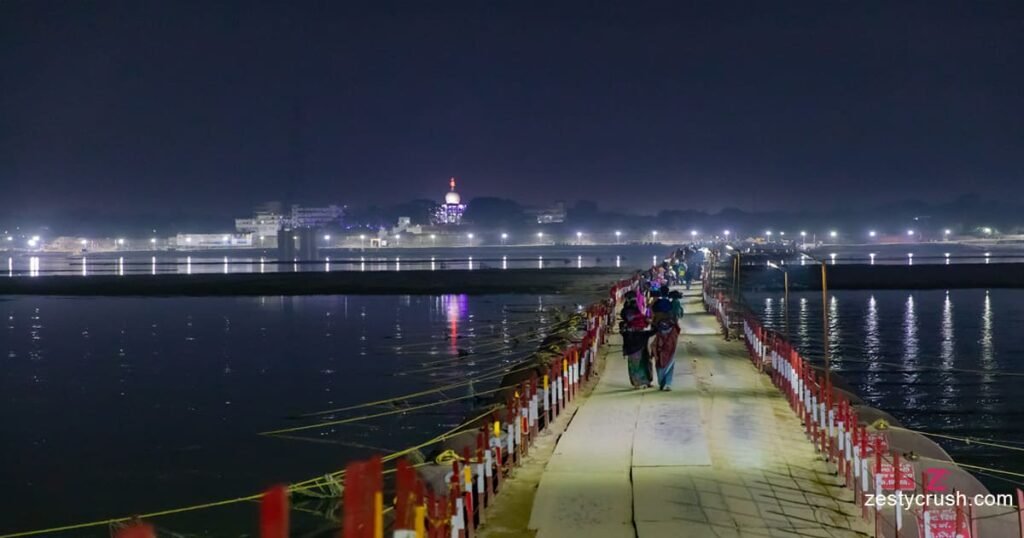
[411,282]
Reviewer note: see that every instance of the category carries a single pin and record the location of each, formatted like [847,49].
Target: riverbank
[589,281]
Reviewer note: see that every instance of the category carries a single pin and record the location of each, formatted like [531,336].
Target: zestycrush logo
[935,480]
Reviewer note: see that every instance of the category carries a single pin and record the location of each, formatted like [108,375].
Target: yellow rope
[977,467]
[382,413]
[968,440]
[293,487]
[489,374]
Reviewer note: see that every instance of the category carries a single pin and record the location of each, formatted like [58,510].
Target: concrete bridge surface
[721,455]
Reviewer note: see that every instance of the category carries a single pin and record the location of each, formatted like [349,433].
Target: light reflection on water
[109,394]
[946,362]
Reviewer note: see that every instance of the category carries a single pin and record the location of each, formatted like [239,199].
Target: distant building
[186,241]
[549,215]
[450,212]
[263,224]
[316,217]
[405,225]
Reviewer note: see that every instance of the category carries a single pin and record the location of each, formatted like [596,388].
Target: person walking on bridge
[665,339]
[635,336]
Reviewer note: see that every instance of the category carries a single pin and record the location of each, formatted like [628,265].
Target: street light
[654,236]
[618,234]
[152,240]
[872,233]
[120,242]
[540,237]
[727,232]
[579,238]
[504,236]
[769,234]
[693,233]
[362,237]
[327,237]
[470,237]
[398,240]
[946,232]
[433,239]
[910,233]
[833,234]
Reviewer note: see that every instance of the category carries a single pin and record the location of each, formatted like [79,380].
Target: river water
[113,406]
[943,362]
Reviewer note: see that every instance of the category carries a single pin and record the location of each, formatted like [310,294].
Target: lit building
[450,212]
[187,241]
[316,217]
[263,224]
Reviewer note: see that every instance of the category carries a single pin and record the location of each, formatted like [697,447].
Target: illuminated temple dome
[452,197]
[450,212]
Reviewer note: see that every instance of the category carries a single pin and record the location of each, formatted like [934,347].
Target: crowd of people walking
[654,310]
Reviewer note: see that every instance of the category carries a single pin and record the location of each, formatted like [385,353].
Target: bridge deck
[720,455]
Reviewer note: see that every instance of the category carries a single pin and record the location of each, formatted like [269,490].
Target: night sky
[113,106]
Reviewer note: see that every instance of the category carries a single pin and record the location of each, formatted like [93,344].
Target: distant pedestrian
[665,338]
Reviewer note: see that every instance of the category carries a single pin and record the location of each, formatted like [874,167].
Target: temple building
[450,212]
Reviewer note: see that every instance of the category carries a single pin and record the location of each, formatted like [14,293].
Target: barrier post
[274,512]
[467,492]
[457,503]
[973,521]
[488,462]
[136,529]
[499,468]
[1020,511]
[405,500]
[534,407]
[482,474]
[524,416]
[547,402]
[362,503]
[512,421]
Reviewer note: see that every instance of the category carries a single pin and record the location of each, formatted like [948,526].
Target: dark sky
[157,106]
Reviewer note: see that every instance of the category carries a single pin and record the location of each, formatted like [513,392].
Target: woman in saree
[665,337]
[635,336]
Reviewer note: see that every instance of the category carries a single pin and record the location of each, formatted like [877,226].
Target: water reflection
[85,271]
[835,339]
[948,344]
[946,349]
[802,331]
[988,356]
[910,351]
